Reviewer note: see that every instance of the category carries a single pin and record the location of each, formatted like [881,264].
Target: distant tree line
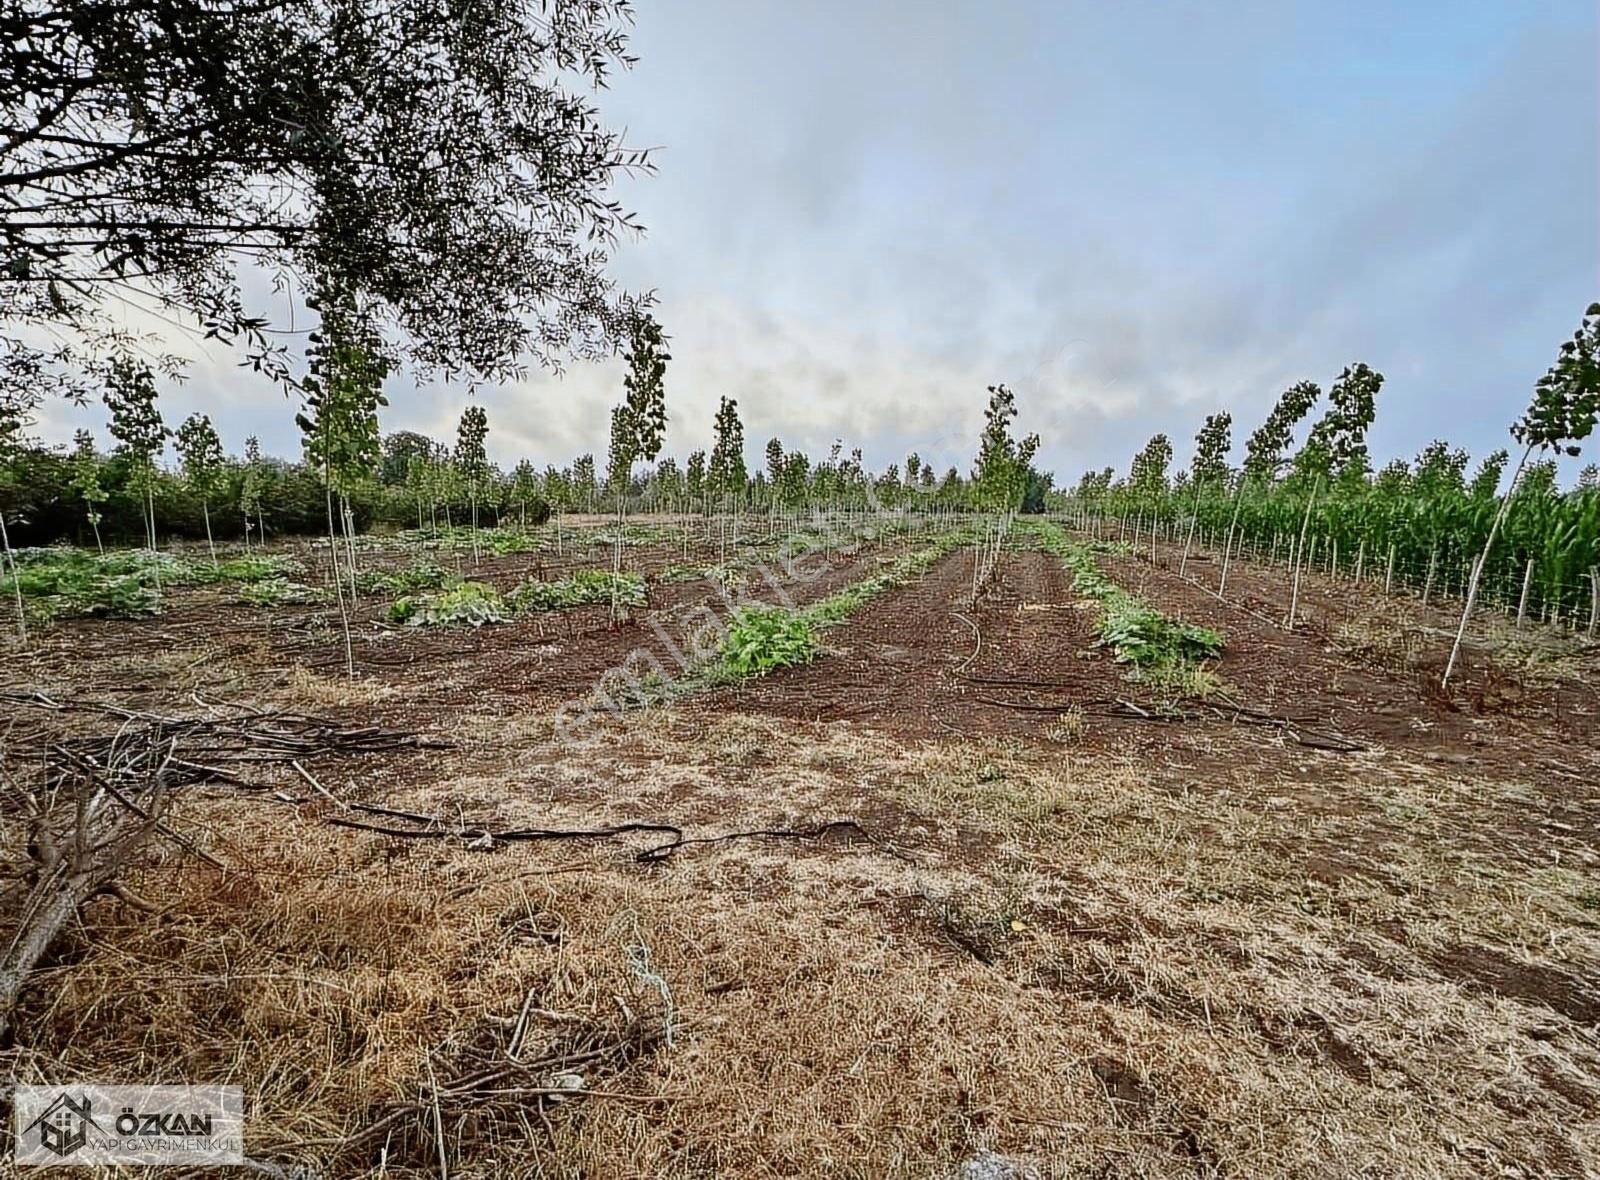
[129,496]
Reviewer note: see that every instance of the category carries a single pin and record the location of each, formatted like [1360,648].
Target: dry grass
[316,690]
[1099,967]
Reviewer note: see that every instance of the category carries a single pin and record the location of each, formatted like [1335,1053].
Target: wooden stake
[1227,553]
[1294,597]
[1527,584]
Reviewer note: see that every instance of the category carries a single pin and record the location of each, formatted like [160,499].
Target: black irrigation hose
[436,829]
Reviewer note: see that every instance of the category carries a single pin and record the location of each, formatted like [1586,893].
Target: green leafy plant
[1159,648]
[469,604]
[86,482]
[762,638]
[1563,412]
[725,474]
[64,582]
[421,574]
[579,589]
[279,592]
[502,542]
[71,582]
[136,424]
[339,422]
[120,598]
[1139,634]
[472,461]
[253,567]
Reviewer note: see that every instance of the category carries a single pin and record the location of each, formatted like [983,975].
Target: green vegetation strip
[456,603]
[761,639]
[1160,649]
[60,582]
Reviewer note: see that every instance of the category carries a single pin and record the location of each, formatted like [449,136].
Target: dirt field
[985,906]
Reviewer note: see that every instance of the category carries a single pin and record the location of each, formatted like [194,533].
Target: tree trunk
[1238,499]
[49,915]
[93,853]
[150,517]
[338,587]
[1188,543]
[1299,557]
[347,518]
[1483,560]
[16,580]
[205,510]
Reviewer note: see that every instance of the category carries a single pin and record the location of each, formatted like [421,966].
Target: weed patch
[762,638]
[580,589]
[279,592]
[421,574]
[66,582]
[470,604]
[1162,651]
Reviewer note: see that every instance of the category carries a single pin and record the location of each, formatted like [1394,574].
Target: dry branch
[104,796]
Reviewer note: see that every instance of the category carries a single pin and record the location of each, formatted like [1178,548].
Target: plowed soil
[924,661]
[1548,725]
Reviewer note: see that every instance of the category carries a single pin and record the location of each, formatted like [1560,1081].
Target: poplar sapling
[86,482]
[200,452]
[136,424]
[339,422]
[472,461]
[1566,401]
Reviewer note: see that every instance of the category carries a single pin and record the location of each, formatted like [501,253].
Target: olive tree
[444,162]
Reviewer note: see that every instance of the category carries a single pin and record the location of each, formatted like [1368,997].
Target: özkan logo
[151,1124]
[64,1125]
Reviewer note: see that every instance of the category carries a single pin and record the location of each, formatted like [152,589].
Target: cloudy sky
[1134,214]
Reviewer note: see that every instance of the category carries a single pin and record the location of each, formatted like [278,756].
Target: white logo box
[148,1125]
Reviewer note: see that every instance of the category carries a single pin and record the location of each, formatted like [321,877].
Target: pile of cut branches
[83,807]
